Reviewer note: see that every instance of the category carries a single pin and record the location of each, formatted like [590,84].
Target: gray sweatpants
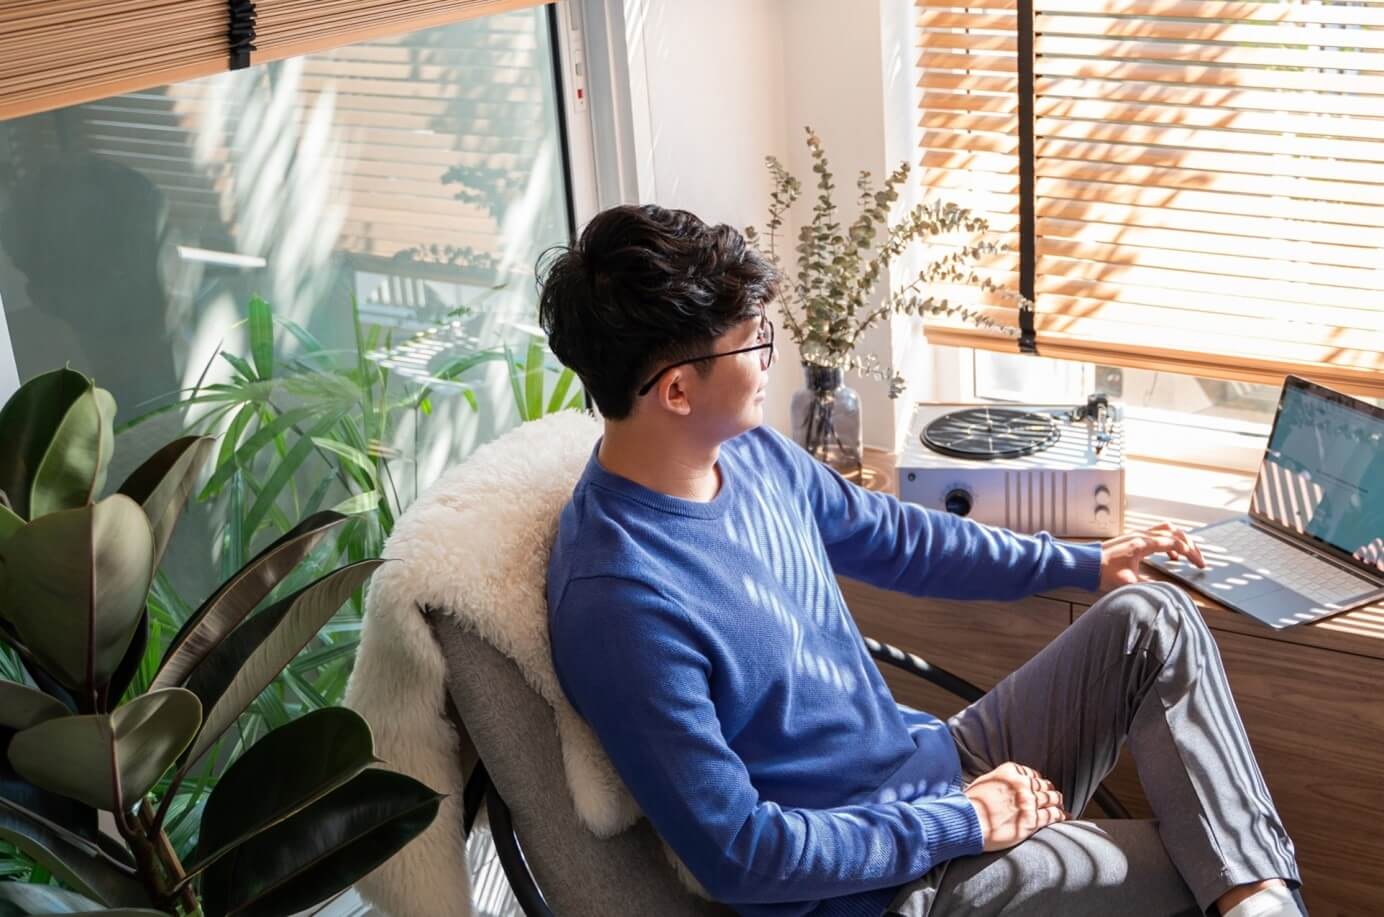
[1139,665]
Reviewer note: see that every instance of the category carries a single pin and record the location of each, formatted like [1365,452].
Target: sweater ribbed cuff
[953,828]
[1075,565]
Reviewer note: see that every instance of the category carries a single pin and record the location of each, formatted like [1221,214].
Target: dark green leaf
[283,473]
[243,664]
[74,587]
[130,665]
[564,382]
[345,648]
[231,440]
[533,381]
[239,595]
[322,849]
[75,817]
[310,343]
[319,494]
[21,899]
[9,522]
[455,368]
[305,691]
[109,761]
[244,455]
[73,469]
[351,454]
[163,483]
[28,423]
[515,388]
[22,706]
[245,370]
[262,337]
[366,502]
[76,861]
[327,748]
[45,682]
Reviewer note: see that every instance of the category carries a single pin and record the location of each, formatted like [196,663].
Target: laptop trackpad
[1225,580]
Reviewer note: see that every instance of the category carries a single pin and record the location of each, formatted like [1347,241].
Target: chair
[559,867]
[454,675]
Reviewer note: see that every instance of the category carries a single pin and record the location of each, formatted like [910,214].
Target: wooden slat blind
[57,53]
[1208,178]
[288,28]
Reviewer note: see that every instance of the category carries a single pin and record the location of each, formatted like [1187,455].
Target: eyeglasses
[766,357]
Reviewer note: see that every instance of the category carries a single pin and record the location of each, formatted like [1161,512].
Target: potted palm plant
[831,300]
[92,751]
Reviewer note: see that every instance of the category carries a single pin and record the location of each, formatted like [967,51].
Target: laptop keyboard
[1267,556]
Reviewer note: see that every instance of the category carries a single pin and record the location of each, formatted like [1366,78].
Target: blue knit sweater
[708,646]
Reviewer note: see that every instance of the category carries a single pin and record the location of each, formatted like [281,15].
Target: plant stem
[158,862]
[819,433]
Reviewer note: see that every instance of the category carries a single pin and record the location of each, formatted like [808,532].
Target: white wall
[707,89]
[718,84]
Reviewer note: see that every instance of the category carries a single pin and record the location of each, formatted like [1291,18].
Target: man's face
[730,398]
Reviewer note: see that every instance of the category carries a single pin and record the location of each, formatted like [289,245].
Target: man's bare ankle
[1241,892]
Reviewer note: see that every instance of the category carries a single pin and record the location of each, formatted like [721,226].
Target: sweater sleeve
[878,539]
[627,658]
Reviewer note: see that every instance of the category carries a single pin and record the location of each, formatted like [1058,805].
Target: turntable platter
[990,433]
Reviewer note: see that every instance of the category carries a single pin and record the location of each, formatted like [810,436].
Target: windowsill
[1182,493]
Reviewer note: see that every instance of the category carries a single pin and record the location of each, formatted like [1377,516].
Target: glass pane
[1147,395]
[414,180]
[1177,398]
[1027,379]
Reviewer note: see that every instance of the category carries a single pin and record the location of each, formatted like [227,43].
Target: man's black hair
[645,286]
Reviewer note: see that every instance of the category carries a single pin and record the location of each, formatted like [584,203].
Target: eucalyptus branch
[827,305]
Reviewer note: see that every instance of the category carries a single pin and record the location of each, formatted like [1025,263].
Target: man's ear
[672,391]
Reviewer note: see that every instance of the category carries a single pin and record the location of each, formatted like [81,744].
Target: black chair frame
[481,791]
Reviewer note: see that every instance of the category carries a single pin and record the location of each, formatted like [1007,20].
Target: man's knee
[1156,612]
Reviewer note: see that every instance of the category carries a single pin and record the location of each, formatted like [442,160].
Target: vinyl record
[990,433]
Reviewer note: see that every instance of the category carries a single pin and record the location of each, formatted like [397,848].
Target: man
[697,627]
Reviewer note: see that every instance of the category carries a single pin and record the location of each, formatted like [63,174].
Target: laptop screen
[1323,471]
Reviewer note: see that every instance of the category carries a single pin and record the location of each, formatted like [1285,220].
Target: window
[414,179]
[1193,193]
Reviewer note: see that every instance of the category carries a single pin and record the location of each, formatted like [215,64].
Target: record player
[1027,468]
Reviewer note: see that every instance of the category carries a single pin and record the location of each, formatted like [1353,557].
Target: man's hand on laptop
[1013,802]
[1120,557]
[1372,553]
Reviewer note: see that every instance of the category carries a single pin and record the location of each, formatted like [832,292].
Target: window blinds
[288,28]
[56,53]
[1205,192]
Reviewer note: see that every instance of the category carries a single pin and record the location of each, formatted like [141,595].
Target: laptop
[1312,544]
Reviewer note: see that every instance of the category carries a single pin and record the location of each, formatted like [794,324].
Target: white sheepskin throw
[475,546]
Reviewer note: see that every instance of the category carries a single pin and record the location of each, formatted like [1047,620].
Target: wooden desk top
[1189,497]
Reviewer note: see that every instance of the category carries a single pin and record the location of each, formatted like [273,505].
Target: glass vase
[826,420]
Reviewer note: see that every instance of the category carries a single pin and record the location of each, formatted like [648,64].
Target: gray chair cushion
[514,732]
